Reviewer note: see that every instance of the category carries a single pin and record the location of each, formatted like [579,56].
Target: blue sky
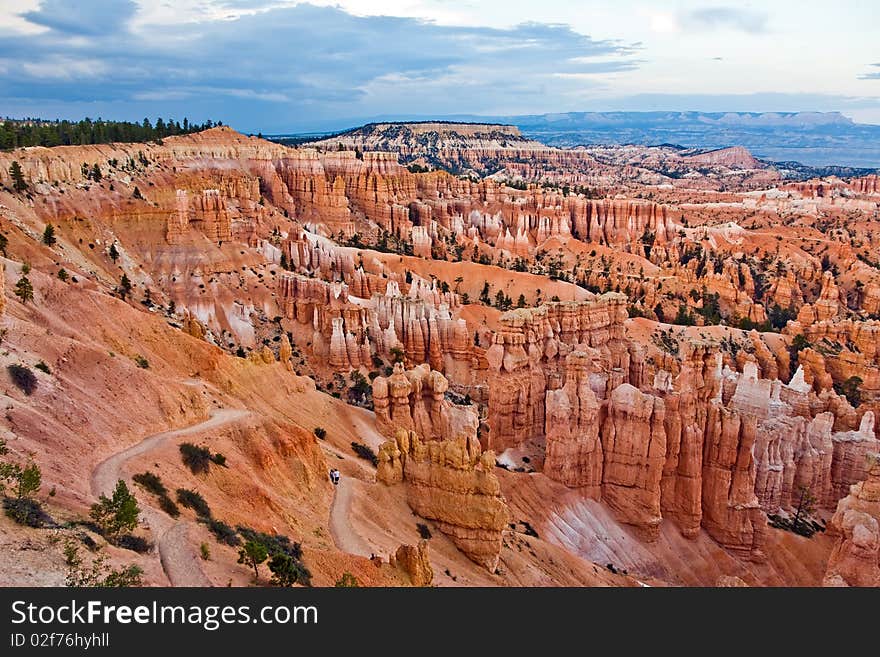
[276,65]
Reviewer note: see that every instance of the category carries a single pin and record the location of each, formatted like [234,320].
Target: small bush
[196,458]
[192,500]
[320,433]
[134,543]
[142,362]
[222,532]
[150,482]
[275,543]
[347,581]
[26,511]
[205,551]
[287,571]
[365,453]
[424,531]
[43,367]
[168,506]
[218,459]
[23,378]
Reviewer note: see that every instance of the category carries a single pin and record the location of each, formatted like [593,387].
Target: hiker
[334,476]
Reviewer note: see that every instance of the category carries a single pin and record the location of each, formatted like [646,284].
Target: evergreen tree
[253,554]
[286,571]
[24,290]
[124,286]
[113,252]
[49,235]
[28,481]
[117,513]
[19,184]
[96,173]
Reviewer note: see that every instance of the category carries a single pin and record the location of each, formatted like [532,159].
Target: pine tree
[24,290]
[113,252]
[49,235]
[253,554]
[19,184]
[124,286]
[96,173]
[118,513]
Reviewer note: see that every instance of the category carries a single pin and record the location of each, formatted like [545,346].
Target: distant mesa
[735,157]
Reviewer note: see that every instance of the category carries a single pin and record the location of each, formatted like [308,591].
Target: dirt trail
[343,534]
[180,563]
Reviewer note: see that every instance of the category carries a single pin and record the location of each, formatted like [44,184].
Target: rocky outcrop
[572,422]
[851,448]
[634,446]
[451,482]
[731,512]
[855,559]
[415,400]
[528,356]
[414,562]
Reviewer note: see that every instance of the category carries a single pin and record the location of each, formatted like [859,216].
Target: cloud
[725,18]
[277,67]
[873,75]
[84,17]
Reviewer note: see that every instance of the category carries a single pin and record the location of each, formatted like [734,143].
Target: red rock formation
[855,560]
[414,400]
[572,422]
[414,561]
[851,448]
[452,483]
[532,344]
[634,445]
[735,157]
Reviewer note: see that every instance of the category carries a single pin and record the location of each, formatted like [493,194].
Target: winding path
[181,565]
[343,534]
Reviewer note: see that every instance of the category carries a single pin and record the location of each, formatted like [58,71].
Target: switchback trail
[180,563]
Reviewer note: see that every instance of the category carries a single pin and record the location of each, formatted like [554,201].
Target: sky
[283,66]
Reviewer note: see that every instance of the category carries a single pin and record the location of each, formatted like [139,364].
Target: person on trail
[334,476]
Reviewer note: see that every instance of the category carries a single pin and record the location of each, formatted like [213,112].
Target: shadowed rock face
[855,560]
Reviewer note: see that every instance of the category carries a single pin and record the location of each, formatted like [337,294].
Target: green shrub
[23,378]
[424,531]
[205,551]
[142,362]
[116,514]
[43,367]
[196,458]
[97,574]
[222,532]
[168,506]
[192,500]
[134,543]
[320,433]
[287,571]
[26,511]
[364,452]
[150,482]
[218,459]
[347,581]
